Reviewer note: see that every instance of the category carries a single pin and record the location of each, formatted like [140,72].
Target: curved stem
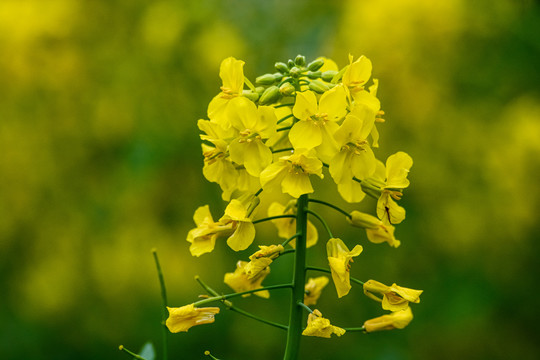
[254,317]
[164,330]
[322,222]
[305,307]
[284,118]
[315,268]
[272,218]
[331,206]
[289,240]
[351,329]
[294,333]
[283,105]
[131,353]
[284,128]
[282,150]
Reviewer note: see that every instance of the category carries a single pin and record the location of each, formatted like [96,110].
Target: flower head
[292,173]
[231,73]
[321,327]
[395,298]
[236,213]
[395,320]
[203,237]
[185,317]
[377,231]
[239,281]
[339,258]
[313,289]
[261,259]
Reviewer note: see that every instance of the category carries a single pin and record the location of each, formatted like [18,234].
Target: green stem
[218,297]
[254,317]
[322,222]
[315,268]
[283,105]
[294,333]
[164,330]
[289,240]
[231,307]
[284,128]
[272,218]
[282,150]
[355,329]
[284,118]
[331,206]
[135,356]
[305,307]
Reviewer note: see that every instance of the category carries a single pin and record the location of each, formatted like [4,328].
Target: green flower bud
[315,65]
[253,96]
[287,89]
[314,74]
[260,89]
[278,76]
[328,75]
[266,79]
[290,64]
[363,220]
[270,95]
[282,67]
[295,72]
[300,60]
[318,86]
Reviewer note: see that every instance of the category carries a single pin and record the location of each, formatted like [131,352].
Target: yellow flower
[203,237]
[393,179]
[339,258]
[355,157]
[261,259]
[292,173]
[357,74]
[236,213]
[314,288]
[318,121]
[239,281]
[376,230]
[395,320]
[253,125]
[287,226]
[395,298]
[185,317]
[321,327]
[231,73]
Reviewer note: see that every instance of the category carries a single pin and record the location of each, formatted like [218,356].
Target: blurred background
[100,162]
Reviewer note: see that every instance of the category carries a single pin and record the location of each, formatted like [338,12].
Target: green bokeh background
[100,162]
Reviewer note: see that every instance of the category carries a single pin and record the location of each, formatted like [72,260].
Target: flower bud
[363,220]
[295,72]
[314,74]
[253,96]
[300,60]
[266,79]
[281,67]
[287,89]
[290,64]
[328,75]
[318,86]
[259,90]
[315,65]
[270,95]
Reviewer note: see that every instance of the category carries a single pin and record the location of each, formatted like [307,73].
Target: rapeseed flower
[185,317]
[314,288]
[321,327]
[339,258]
[239,281]
[395,320]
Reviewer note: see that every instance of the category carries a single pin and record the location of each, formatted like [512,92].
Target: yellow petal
[296,184]
[397,169]
[305,105]
[351,191]
[231,73]
[242,237]
[334,103]
[305,135]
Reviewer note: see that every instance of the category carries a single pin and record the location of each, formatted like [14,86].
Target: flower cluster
[301,122]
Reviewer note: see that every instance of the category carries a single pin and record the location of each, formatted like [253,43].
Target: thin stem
[294,333]
[351,329]
[289,251]
[283,105]
[207,353]
[282,150]
[289,239]
[331,206]
[305,307]
[284,128]
[322,222]
[218,297]
[164,331]
[284,118]
[249,84]
[315,268]
[231,307]
[135,356]
[272,218]
[254,317]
